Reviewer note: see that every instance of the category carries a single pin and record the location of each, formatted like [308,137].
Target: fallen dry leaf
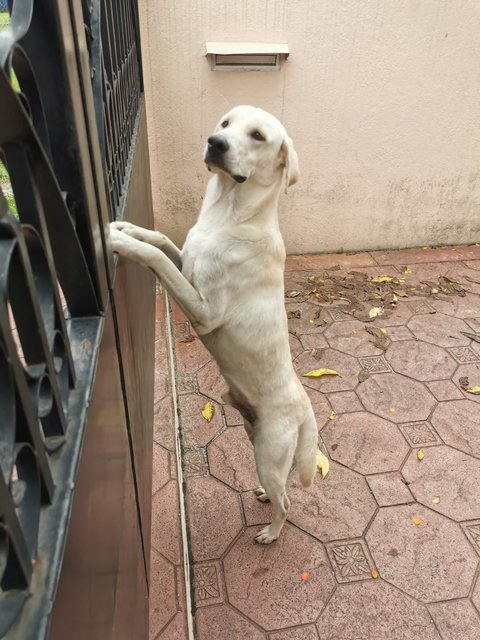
[323,464]
[318,373]
[374,574]
[392,410]
[332,415]
[406,270]
[292,294]
[474,390]
[416,521]
[375,312]
[317,353]
[464,382]
[208,411]
[436,500]
[420,454]
[382,278]
[304,576]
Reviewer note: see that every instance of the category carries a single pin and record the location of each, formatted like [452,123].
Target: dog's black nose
[217,145]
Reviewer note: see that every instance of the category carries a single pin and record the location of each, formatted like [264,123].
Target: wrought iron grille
[54,268]
[114,46]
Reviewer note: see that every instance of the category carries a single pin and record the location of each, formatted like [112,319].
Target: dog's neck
[243,201]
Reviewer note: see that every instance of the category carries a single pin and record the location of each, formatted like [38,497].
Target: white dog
[228,280]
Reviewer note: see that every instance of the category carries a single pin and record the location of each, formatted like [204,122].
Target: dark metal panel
[103,565]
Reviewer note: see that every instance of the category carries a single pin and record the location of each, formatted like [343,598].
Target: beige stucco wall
[381,98]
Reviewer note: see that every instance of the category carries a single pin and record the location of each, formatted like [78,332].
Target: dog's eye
[224,124]
[256,135]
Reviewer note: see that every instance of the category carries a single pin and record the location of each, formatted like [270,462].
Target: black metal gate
[76,330]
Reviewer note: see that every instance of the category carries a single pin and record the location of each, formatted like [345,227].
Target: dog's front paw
[261,494]
[267,535]
[120,241]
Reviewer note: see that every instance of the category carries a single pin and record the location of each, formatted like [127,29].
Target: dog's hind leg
[273,456]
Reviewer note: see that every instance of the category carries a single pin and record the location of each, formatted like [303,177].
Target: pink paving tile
[395,397]
[374,609]
[222,622]
[163,429]
[307,632]
[264,582]
[314,263]
[415,256]
[365,443]
[351,560]
[457,423]
[444,390]
[389,489]
[456,620]
[447,474]
[420,360]
[344,402]
[195,429]
[161,467]
[166,522]
[175,630]
[190,355]
[163,598]
[340,506]
[215,518]
[256,512]
[430,561]
[208,586]
[231,460]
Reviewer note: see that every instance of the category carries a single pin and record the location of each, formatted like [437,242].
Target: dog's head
[251,144]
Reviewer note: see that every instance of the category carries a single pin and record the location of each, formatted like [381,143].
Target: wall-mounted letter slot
[246,56]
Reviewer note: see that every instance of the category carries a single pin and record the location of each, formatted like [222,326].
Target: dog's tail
[306,451]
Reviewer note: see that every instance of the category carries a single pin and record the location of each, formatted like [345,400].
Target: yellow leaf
[208,411]
[406,270]
[374,574]
[323,465]
[332,415]
[384,331]
[435,500]
[318,373]
[375,312]
[420,454]
[474,390]
[416,521]
[311,278]
[382,279]
[392,410]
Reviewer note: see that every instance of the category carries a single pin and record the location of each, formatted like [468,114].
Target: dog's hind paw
[266,535]
[261,494]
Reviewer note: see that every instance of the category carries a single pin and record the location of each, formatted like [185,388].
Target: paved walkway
[387,547]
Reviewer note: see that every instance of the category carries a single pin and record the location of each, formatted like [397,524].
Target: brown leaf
[294,314]
[464,382]
[363,375]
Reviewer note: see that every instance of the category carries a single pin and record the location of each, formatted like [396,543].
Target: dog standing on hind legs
[228,280]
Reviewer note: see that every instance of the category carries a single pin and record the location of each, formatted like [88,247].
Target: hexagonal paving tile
[365,443]
[472,374]
[230,457]
[160,467]
[448,474]
[346,366]
[456,620]
[213,507]
[190,354]
[458,423]
[264,582]
[219,623]
[476,595]
[389,489]
[211,382]
[332,509]
[301,325]
[163,593]
[350,337]
[439,329]
[420,360]
[196,431]
[374,609]
[166,522]
[431,561]
[393,396]
[300,633]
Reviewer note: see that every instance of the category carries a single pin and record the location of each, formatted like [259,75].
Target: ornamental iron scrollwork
[54,268]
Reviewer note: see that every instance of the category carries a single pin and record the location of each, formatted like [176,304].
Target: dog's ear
[290,162]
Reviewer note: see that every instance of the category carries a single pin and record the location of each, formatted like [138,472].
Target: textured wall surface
[381,98]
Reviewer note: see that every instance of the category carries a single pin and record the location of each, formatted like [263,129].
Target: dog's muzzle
[217,146]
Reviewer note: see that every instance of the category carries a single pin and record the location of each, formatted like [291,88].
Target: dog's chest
[208,257]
